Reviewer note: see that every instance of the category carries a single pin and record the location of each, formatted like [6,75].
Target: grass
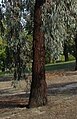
[50,67]
[5,73]
[59,66]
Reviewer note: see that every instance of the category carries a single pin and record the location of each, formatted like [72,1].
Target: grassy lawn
[59,66]
[6,73]
[70,65]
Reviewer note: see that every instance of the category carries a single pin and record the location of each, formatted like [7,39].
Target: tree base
[76,68]
[38,95]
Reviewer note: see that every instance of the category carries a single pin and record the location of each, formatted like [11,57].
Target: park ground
[62,98]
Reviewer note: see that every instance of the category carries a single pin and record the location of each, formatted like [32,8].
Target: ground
[62,98]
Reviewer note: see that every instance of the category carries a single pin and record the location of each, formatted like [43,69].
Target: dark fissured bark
[38,94]
[76,51]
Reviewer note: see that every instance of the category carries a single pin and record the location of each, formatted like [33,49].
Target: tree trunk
[18,62]
[66,51]
[38,94]
[76,51]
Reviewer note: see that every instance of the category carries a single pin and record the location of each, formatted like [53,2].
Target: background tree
[19,43]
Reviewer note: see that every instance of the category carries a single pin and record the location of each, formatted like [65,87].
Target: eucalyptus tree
[70,23]
[18,50]
[69,8]
[12,34]
[61,25]
[38,94]
[2,45]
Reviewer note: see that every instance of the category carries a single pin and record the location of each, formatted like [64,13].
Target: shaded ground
[62,99]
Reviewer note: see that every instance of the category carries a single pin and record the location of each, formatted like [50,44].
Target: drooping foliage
[59,24]
[19,43]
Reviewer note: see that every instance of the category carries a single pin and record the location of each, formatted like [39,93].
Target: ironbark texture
[38,94]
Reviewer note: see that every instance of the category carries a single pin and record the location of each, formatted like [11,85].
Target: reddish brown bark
[38,94]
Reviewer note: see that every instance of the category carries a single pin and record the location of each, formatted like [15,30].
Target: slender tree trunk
[66,51]
[38,94]
[76,51]
[18,62]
